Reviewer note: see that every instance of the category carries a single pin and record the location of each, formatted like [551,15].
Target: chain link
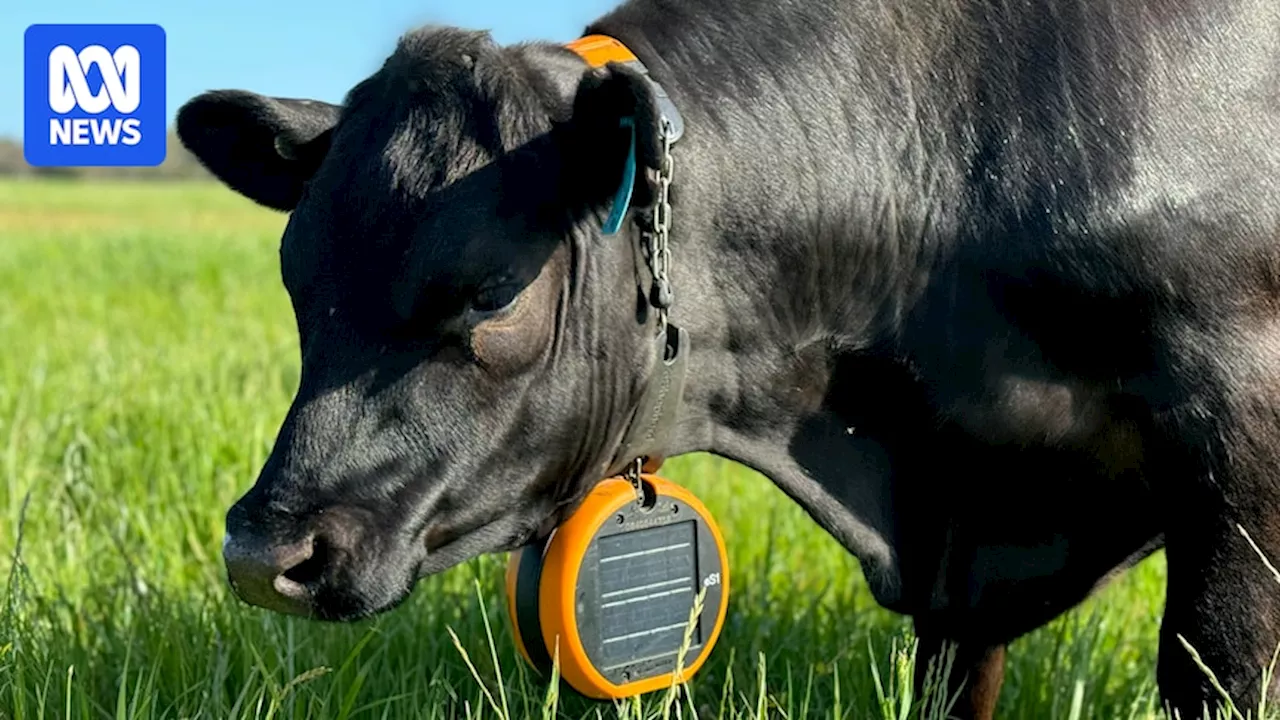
[660,251]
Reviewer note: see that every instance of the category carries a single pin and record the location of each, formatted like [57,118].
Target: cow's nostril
[288,588]
[256,571]
[310,568]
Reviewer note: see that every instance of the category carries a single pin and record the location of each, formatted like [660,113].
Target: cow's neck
[816,184]
[797,241]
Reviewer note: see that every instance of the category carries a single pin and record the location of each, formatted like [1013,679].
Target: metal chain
[660,252]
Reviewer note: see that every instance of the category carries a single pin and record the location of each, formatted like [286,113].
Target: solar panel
[647,587]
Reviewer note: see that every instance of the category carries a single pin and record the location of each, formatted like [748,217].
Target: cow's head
[471,343]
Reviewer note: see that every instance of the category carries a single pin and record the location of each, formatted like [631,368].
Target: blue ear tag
[623,198]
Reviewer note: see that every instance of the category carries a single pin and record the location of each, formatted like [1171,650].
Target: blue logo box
[94,95]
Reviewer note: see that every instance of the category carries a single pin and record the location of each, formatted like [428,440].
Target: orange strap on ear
[599,50]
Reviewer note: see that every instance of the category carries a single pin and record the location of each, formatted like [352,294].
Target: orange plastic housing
[558,582]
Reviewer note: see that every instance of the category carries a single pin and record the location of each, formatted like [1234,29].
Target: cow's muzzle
[310,564]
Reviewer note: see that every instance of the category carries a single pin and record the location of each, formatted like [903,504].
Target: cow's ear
[596,141]
[264,148]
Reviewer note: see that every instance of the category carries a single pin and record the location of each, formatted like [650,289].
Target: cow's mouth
[321,578]
[501,534]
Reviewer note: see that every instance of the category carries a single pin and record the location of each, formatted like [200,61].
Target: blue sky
[298,48]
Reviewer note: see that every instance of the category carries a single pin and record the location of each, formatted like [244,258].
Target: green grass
[148,356]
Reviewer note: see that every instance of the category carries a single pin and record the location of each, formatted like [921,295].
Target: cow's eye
[495,296]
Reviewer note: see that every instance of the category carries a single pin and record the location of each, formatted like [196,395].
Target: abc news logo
[95,95]
[69,89]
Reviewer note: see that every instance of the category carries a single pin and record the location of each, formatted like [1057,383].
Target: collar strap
[654,417]
[657,410]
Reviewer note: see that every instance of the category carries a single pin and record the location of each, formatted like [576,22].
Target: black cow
[991,289]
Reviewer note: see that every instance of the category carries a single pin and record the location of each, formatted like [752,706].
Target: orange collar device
[610,594]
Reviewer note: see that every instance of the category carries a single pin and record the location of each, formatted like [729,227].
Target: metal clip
[633,477]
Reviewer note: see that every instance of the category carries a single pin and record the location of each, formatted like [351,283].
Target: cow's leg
[1224,602]
[1223,474]
[975,675]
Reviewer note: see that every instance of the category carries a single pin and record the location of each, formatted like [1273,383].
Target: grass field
[148,356]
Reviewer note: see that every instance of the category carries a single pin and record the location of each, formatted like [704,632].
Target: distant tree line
[178,165]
